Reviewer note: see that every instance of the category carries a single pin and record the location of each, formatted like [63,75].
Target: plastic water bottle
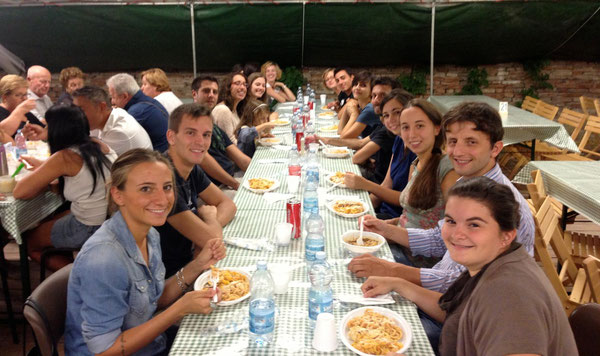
[315,241]
[294,167]
[307,91]
[262,305]
[294,121]
[312,167]
[315,223]
[298,129]
[305,115]
[20,143]
[320,295]
[309,134]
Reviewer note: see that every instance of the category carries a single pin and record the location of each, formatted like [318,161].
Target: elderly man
[39,84]
[114,126]
[125,93]
[223,156]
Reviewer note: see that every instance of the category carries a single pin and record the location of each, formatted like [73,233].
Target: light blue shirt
[429,242]
[111,289]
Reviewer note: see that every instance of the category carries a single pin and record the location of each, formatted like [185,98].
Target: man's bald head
[39,80]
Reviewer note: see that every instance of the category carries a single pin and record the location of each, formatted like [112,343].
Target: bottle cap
[320,255]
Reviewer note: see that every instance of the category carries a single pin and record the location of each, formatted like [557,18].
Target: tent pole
[303,19]
[193,35]
[431,51]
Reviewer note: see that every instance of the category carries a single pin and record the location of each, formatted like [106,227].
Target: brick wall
[570,80]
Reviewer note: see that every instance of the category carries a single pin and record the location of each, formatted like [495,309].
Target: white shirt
[122,132]
[168,100]
[42,104]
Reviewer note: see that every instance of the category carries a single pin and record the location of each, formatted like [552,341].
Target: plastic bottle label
[262,317]
[312,249]
[314,309]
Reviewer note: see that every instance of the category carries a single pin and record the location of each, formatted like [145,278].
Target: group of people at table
[150,182]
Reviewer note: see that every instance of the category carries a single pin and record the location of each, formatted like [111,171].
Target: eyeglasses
[238,84]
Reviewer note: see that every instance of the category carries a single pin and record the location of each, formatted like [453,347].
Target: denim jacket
[111,289]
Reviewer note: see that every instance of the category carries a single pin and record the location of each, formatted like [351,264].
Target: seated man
[125,93]
[223,156]
[201,209]
[39,79]
[359,118]
[343,78]
[114,126]
[473,133]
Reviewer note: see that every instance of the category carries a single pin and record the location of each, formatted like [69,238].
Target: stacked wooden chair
[588,105]
[592,127]
[573,119]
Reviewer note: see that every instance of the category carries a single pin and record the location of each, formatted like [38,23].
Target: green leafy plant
[476,79]
[415,82]
[292,77]
[539,80]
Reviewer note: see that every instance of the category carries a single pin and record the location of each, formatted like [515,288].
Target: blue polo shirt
[368,117]
[399,174]
[152,116]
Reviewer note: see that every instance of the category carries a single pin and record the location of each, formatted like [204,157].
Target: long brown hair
[424,190]
[251,110]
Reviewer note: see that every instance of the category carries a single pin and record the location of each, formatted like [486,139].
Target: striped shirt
[429,242]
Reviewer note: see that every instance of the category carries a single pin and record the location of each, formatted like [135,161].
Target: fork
[214,278]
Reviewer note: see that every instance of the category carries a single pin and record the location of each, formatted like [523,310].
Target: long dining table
[224,331]
[519,126]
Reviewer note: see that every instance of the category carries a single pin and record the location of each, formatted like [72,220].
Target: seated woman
[71,79]
[503,304]
[156,85]
[276,90]
[386,196]
[118,279]
[253,125]
[226,113]
[15,107]
[81,165]
[257,91]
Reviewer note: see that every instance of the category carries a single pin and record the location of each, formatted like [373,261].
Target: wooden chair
[583,246]
[591,265]
[597,106]
[509,154]
[529,103]
[537,193]
[546,110]
[573,119]
[587,105]
[592,126]
[549,234]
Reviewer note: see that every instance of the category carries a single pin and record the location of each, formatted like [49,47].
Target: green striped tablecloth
[255,218]
[573,183]
[520,126]
[21,215]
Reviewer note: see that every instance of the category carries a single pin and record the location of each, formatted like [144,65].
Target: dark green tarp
[116,38]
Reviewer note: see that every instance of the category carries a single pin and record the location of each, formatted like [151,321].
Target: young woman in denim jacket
[117,282]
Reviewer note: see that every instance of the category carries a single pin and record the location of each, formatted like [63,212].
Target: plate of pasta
[281,122]
[336,152]
[348,208]
[269,141]
[233,283]
[326,115]
[372,330]
[261,185]
[330,128]
[337,177]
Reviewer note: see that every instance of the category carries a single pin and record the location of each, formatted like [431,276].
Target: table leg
[533,150]
[563,219]
[24,257]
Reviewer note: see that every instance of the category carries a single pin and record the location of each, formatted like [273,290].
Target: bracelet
[181,281]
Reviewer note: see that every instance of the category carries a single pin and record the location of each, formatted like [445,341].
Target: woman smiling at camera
[117,282]
[503,304]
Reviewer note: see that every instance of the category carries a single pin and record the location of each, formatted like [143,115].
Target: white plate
[397,318]
[204,278]
[282,122]
[270,141]
[328,128]
[333,202]
[326,114]
[328,178]
[246,185]
[328,152]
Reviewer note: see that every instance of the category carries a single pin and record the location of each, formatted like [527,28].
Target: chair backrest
[592,269]
[536,190]
[592,126]
[585,323]
[597,106]
[574,119]
[529,103]
[46,310]
[587,105]
[546,110]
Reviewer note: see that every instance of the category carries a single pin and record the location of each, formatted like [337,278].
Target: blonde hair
[325,74]
[263,69]
[68,74]
[158,78]
[11,82]
[119,172]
